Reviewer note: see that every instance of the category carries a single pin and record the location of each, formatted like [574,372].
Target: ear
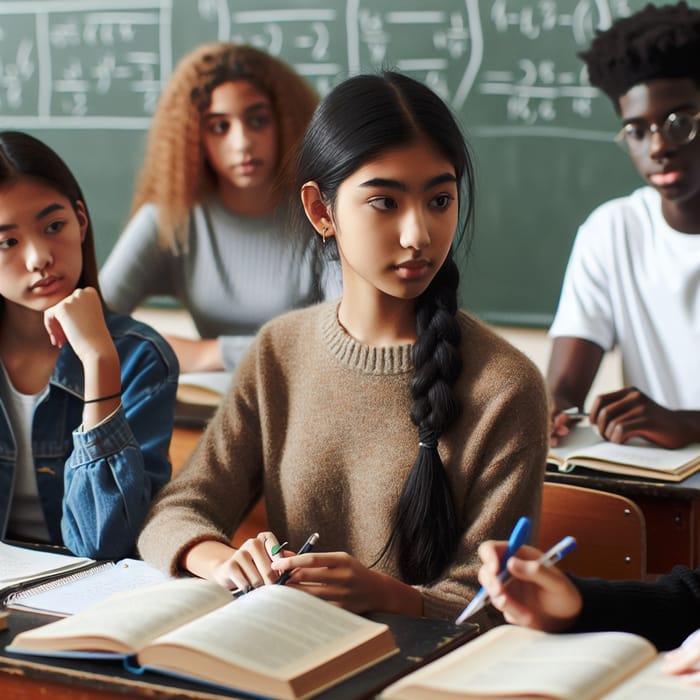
[316,209]
[83,221]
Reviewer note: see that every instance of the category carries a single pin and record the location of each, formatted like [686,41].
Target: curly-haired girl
[209,212]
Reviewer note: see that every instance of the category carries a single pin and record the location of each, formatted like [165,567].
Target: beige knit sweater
[321,425]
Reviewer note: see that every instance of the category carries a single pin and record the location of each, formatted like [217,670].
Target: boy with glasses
[633,279]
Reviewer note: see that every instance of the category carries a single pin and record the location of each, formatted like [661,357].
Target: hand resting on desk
[627,413]
[685,660]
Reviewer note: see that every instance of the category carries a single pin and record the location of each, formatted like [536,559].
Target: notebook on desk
[22,566]
[70,594]
[583,447]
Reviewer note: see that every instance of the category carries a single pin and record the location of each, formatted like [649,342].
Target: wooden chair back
[610,531]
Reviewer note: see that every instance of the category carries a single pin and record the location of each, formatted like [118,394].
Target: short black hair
[656,42]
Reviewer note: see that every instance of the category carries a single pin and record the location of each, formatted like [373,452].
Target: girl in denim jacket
[86,396]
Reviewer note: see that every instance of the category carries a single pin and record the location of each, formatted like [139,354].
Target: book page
[275,631]
[75,593]
[585,443]
[566,667]
[207,388]
[128,619]
[19,564]
[651,683]
[579,439]
[647,456]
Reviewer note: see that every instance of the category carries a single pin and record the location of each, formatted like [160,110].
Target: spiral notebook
[43,580]
[75,592]
[22,566]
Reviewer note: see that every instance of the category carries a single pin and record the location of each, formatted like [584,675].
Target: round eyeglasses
[677,129]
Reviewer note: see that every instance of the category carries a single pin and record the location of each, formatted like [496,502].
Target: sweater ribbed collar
[395,359]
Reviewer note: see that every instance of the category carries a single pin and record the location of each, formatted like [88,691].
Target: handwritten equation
[79,63]
[499,63]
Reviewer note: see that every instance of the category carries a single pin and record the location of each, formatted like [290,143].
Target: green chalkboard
[84,75]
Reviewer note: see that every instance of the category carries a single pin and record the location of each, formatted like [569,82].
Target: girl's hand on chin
[79,320]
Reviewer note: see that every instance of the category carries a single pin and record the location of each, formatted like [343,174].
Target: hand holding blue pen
[518,537]
[549,558]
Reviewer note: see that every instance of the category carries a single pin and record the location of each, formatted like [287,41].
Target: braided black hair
[656,42]
[425,541]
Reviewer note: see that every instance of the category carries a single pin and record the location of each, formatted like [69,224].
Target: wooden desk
[31,677]
[671,511]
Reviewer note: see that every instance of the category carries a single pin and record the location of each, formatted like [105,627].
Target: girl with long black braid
[401,429]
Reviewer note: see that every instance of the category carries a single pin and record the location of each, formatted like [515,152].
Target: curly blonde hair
[175,174]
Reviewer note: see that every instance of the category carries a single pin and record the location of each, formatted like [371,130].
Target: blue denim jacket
[96,487]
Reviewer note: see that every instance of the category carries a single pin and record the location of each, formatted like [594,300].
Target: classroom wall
[85,75]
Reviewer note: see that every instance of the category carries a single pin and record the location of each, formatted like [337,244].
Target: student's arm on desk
[573,365]
[626,413]
[210,355]
[196,354]
[619,415]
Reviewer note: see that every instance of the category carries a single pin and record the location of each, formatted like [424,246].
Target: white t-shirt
[26,519]
[634,282]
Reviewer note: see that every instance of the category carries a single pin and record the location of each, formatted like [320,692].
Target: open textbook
[21,567]
[198,396]
[515,662]
[583,447]
[275,641]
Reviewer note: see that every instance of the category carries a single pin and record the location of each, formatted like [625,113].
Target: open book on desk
[199,395]
[275,641]
[515,662]
[23,566]
[583,447]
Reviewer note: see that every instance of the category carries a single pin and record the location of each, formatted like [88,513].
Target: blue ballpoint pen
[518,537]
[549,558]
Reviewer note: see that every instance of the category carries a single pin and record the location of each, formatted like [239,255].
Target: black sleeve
[664,611]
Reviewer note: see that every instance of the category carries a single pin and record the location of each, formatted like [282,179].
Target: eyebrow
[49,210]
[257,107]
[685,107]
[402,187]
[43,213]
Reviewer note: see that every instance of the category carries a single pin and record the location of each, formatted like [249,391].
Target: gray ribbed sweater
[237,273]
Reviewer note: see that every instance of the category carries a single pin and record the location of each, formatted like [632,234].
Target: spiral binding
[56,583]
